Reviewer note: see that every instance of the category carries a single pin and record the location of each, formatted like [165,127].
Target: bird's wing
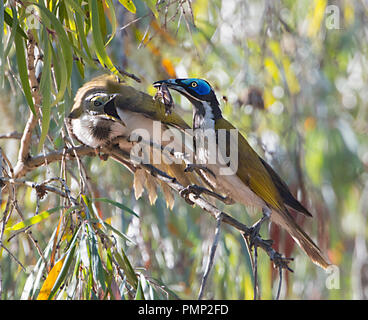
[252,172]
[284,191]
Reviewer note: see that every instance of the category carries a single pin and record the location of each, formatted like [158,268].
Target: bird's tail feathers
[286,221]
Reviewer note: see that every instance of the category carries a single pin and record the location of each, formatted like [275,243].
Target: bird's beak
[170,83]
[110,107]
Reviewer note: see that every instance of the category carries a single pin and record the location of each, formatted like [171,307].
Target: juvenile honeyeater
[105,110]
[253,182]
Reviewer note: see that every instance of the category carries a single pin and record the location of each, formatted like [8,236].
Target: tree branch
[11,135]
[124,157]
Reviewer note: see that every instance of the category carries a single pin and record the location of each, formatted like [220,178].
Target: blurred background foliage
[291,75]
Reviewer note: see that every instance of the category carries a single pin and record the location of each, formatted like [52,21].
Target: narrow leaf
[97,38]
[81,34]
[76,7]
[45,89]
[50,280]
[12,34]
[113,20]
[66,48]
[116,204]
[139,294]
[127,267]
[33,220]
[129,5]
[22,69]
[69,255]
[97,269]
[9,21]
[120,234]
[152,5]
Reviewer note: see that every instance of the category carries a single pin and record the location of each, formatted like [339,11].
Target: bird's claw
[191,189]
[255,240]
[254,236]
[281,262]
[190,167]
[98,153]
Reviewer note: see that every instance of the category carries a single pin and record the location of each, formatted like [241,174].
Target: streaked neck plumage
[205,113]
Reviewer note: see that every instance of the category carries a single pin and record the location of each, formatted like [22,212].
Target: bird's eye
[97,103]
[194,84]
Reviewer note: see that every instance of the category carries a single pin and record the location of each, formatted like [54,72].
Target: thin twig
[29,233]
[135,20]
[13,256]
[121,70]
[280,283]
[211,257]
[128,74]
[255,273]
[39,187]
[40,160]
[11,135]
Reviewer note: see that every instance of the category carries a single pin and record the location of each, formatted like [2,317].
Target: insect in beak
[163,93]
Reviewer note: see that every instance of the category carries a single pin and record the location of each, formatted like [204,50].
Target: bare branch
[211,258]
[40,160]
[11,135]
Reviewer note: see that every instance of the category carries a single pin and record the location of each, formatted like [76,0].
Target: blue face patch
[199,86]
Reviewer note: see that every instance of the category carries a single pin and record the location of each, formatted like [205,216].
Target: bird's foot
[255,240]
[102,156]
[191,189]
[190,167]
[281,262]
[254,230]
[197,191]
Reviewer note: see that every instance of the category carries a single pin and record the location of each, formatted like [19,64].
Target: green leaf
[152,5]
[116,204]
[84,250]
[98,40]
[127,267]
[81,54]
[120,234]
[32,285]
[45,90]
[113,20]
[22,69]
[139,295]
[66,47]
[56,67]
[81,34]
[9,21]
[33,220]
[129,5]
[76,7]
[13,32]
[102,20]
[96,265]
[89,212]
[67,262]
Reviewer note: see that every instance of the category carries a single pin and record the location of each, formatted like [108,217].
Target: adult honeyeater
[254,182]
[105,110]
